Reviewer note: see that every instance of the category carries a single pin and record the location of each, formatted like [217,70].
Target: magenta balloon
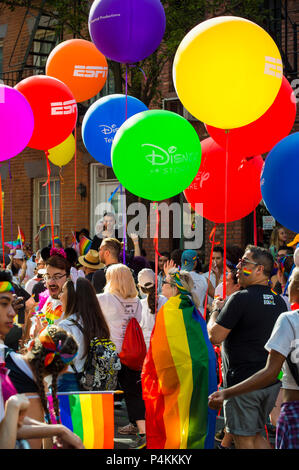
[127,31]
[16,122]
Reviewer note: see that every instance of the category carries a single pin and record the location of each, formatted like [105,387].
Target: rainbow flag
[13,245]
[84,246]
[178,375]
[21,236]
[90,416]
[42,227]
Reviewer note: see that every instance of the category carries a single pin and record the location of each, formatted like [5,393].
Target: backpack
[101,365]
[133,350]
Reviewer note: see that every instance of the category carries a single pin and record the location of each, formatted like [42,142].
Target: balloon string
[157,254]
[126,92]
[254,228]
[2,226]
[48,183]
[75,189]
[61,196]
[10,196]
[211,236]
[225,215]
[122,194]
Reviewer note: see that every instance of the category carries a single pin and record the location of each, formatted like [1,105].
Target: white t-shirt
[148,319]
[284,339]
[213,281]
[30,284]
[53,309]
[200,286]
[117,312]
[70,327]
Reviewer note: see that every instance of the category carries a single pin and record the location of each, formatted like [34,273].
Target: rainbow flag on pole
[21,236]
[90,415]
[179,373]
[84,246]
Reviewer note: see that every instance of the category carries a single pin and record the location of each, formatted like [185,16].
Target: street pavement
[124,441]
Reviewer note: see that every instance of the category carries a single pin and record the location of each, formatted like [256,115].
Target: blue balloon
[279,182]
[102,121]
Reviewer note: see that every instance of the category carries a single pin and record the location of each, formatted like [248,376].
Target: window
[41,209]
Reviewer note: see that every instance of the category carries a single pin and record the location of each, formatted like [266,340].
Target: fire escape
[283,26]
[42,38]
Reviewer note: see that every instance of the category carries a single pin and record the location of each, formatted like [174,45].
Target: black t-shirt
[99,279]
[250,314]
[20,292]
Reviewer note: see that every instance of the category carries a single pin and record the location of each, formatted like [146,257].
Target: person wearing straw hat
[91,263]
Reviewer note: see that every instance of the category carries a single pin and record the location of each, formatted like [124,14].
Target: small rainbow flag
[42,227]
[247,272]
[13,245]
[90,416]
[84,246]
[178,375]
[273,292]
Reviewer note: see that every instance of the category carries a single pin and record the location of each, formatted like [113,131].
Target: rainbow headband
[6,286]
[55,349]
[178,284]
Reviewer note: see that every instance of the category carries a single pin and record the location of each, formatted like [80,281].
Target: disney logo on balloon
[66,107]
[159,156]
[201,177]
[90,71]
[105,129]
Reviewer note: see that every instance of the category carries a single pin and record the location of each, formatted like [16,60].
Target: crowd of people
[56,306]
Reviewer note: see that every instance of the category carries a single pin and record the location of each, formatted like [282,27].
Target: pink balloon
[16,122]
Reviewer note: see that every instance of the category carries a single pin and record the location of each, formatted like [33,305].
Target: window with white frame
[41,209]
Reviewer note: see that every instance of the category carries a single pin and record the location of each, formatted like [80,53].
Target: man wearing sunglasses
[244,326]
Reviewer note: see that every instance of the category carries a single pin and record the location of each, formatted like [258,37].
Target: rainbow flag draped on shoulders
[179,373]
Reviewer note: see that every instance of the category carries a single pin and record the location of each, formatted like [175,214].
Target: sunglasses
[243,261]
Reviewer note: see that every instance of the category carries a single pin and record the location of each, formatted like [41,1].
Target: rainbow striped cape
[90,416]
[179,373]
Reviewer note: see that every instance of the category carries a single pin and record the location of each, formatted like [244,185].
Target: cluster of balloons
[227,72]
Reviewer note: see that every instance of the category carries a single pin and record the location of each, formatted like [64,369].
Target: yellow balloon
[63,153]
[227,72]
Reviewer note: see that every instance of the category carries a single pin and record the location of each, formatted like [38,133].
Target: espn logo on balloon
[273,67]
[62,108]
[90,71]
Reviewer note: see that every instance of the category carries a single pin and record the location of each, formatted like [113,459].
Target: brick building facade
[23,177]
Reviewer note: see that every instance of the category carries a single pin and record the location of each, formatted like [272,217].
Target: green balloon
[156,154]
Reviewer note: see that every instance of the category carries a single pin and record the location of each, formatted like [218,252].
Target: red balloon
[263,134]
[54,108]
[208,187]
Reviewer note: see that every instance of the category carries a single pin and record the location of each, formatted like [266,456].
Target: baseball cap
[188,258]
[19,254]
[146,278]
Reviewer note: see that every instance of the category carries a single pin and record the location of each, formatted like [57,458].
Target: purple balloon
[127,31]
[16,122]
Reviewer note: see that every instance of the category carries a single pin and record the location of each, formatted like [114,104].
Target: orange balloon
[80,65]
